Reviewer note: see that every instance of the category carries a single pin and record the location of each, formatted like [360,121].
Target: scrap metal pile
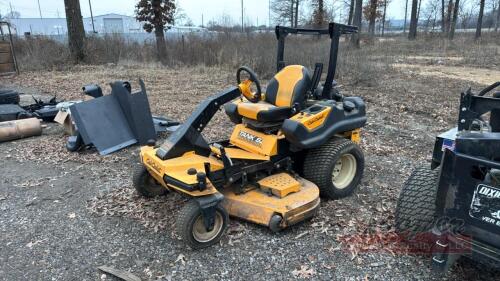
[106,122]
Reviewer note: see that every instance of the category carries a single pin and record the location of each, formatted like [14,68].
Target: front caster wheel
[192,230]
[145,184]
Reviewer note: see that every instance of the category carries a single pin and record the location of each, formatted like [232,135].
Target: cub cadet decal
[153,165]
[485,205]
[245,136]
[310,123]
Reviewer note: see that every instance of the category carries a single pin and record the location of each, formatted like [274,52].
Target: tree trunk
[497,22]
[454,20]
[418,11]
[351,12]
[76,33]
[161,47]
[320,14]
[292,8]
[373,16]
[443,28]
[406,16]
[383,17]
[296,13]
[480,20]
[448,15]
[412,35]
[358,10]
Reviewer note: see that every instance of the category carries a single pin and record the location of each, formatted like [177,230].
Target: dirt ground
[64,214]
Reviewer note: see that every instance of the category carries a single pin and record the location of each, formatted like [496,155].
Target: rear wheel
[191,227]
[335,167]
[145,184]
[416,207]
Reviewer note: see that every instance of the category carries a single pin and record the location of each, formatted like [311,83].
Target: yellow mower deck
[258,206]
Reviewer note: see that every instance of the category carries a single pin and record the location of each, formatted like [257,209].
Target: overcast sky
[211,9]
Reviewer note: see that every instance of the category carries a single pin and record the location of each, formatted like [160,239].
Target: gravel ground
[64,214]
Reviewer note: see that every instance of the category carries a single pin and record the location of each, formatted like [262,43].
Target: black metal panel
[136,109]
[101,122]
[473,106]
[457,186]
[188,137]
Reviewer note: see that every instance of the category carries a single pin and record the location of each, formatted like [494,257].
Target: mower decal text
[485,205]
[247,137]
[316,119]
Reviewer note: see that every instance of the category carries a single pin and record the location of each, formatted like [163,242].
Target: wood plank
[4,47]
[125,275]
[6,58]
[7,67]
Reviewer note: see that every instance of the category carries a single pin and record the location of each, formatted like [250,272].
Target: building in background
[103,24]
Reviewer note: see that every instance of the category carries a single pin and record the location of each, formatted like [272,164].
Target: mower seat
[287,88]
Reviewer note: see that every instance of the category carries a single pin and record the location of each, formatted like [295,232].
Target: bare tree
[497,21]
[384,3]
[480,20]
[76,32]
[448,16]
[358,10]
[406,16]
[371,14]
[351,12]
[155,16]
[319,13]
[454,20]
[443,27]
[284,11]
[412,35]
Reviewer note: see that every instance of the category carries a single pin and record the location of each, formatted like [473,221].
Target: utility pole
[11,13]
[39,9]
[242,26]
[202,23]
[269,12]
[92,17]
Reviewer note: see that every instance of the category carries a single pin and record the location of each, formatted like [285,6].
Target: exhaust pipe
[18,129]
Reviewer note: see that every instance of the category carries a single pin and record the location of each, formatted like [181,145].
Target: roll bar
[334,30]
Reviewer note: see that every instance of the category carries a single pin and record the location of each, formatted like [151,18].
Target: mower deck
[259,206]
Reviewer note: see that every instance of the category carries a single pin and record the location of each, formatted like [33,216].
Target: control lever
[202,180]
[225,159]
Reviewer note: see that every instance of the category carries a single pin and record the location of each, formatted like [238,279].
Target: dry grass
[259,52]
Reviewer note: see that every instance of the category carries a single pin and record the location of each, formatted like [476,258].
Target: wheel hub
[200,232]
[344,171]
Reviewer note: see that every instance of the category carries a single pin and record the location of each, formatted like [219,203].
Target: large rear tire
[416,207]
[191,228]
[336,167]
[145,184]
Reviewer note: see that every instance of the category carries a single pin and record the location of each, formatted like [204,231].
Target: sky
[254,10]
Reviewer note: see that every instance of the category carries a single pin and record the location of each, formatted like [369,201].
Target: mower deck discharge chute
[290,144]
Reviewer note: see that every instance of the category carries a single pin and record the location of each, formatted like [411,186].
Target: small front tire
[145,184]
[191,228]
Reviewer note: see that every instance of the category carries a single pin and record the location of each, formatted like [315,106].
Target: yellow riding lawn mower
[289,145]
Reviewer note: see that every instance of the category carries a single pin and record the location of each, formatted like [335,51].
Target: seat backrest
[289,86]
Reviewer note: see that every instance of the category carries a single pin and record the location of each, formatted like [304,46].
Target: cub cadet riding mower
[295,127]
[457,199]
